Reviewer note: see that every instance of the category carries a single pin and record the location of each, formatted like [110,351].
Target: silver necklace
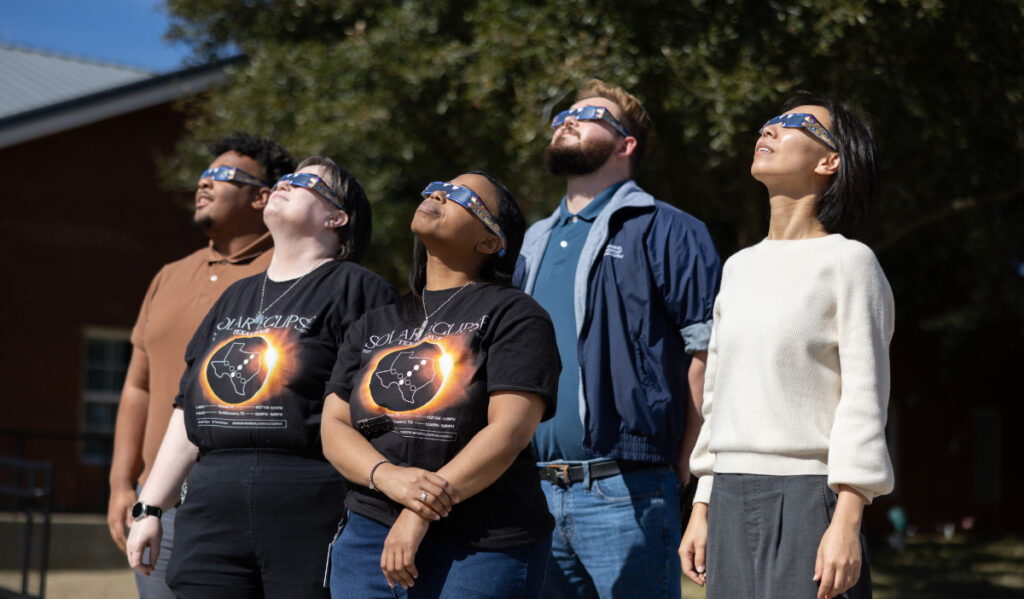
[427,317]
[258,319]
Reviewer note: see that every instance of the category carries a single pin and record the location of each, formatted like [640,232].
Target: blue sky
[125,32]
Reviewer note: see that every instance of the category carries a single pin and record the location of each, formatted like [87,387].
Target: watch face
[137,510]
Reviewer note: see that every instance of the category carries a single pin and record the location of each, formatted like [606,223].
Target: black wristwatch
[141,510]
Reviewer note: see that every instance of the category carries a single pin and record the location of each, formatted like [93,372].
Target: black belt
[567,474]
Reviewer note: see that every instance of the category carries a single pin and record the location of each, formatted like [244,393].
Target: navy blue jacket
[643,298]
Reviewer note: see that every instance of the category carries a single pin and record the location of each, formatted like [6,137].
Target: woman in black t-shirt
[261,500]
[431,406]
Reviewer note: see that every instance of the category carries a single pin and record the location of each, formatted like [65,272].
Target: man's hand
[118,514]
[694,419]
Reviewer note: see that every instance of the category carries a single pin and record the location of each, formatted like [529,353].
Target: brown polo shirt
[177,300]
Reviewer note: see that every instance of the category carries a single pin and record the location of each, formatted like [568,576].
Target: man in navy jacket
[629,283]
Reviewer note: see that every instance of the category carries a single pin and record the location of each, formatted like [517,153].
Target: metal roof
[31,79]
[84,107]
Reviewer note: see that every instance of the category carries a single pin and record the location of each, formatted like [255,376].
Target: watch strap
[140,510]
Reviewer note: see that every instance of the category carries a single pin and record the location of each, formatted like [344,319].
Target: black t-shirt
[254,382]
[420,396]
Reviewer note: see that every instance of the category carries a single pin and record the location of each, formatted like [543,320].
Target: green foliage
[403,93]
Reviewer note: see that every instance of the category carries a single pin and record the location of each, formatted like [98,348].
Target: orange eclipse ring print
[410,379]
[242,369]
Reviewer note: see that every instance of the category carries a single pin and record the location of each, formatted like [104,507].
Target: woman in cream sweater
[793,441]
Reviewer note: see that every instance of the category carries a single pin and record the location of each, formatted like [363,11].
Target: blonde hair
[634,118]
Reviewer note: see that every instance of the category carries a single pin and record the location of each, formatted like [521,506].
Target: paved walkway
[78,584]
[929,568]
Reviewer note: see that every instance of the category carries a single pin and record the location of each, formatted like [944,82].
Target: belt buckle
[561,472]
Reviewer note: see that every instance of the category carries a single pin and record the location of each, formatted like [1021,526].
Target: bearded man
[630,284]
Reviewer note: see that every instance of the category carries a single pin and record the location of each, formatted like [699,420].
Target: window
[107,352]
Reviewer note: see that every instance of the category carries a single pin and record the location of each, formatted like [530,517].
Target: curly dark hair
[275,160]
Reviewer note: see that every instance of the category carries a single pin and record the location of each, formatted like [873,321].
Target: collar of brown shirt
[247,253]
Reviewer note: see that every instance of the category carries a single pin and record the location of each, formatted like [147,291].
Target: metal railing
[72,453]
[28,485]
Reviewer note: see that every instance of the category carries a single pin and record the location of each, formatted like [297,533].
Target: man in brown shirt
[229,205]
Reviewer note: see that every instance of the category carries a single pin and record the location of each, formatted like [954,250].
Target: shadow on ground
[933,568]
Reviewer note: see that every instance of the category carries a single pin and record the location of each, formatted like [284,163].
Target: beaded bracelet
[374,469]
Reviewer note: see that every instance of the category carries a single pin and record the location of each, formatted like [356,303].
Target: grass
[933,568]
[930,567]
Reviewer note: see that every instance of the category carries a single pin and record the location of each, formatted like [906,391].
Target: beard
[202,223]
[578,160]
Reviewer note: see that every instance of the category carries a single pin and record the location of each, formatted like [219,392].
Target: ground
[932,568]
[929,567]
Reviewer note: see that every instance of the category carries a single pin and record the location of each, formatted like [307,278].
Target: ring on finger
[423,496]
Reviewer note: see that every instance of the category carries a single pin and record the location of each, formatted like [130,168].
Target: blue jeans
[445,570]
[616,538]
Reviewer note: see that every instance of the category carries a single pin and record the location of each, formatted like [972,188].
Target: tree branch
[949,210]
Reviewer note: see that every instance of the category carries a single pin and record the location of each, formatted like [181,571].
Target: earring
[327,224]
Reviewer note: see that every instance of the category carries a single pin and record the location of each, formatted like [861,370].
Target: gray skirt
[763,536]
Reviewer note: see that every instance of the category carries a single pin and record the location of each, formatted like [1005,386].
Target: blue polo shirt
[561,438]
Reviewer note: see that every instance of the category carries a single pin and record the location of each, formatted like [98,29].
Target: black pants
[255,524]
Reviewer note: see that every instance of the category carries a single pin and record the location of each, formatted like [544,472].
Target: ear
[829,165]
[626,147]
[259,202]
[489,245]
[337,220]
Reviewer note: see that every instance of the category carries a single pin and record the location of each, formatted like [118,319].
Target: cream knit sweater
[797,378]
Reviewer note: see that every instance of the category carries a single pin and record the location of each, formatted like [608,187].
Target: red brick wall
[84,228]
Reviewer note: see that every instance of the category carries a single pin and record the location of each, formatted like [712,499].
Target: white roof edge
[81,113]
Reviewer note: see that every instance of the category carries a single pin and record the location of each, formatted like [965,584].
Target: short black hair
[852,193]
[355,236]
[497,269]
[275,160]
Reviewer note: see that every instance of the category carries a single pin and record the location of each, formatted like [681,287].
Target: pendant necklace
[258,319]
[426,317]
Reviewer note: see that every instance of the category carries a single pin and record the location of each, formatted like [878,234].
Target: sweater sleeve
[858,455]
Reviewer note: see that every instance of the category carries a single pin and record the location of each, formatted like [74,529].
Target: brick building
[85,227]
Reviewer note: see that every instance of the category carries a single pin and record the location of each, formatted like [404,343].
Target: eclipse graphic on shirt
[238,369]
[408,378]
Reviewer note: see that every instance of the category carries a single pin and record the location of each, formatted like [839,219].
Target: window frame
[88,450]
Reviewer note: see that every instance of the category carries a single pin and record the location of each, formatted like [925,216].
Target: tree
[409,92]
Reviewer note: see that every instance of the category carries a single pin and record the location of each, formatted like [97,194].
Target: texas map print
[238,369]
[408,378]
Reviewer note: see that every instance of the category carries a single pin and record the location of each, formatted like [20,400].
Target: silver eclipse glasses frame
[589,113]
[313,183]
[231,173]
